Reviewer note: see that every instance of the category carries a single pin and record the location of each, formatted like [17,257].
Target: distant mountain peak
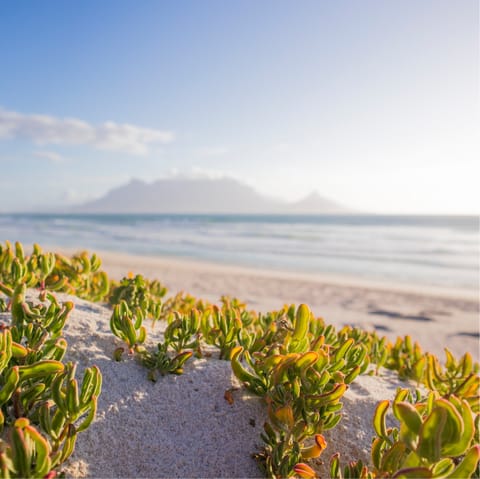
[136,181]
[315,203]
[182,194]
[313,195]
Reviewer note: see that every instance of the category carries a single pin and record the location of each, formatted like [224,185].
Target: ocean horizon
[433,250]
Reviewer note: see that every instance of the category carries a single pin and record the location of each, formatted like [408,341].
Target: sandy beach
[296,185]
[182,426]
[435,317]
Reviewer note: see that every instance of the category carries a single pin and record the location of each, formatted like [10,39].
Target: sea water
[418,250]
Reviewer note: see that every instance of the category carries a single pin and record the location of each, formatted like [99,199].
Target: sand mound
[182,426]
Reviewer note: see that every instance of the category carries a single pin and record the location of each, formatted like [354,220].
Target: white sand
[182,426]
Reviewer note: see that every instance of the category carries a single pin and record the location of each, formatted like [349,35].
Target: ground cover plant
[43,405]
[297,363]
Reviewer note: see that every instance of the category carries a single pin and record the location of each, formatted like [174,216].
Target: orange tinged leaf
[304,470]
[316,449]
[285,415]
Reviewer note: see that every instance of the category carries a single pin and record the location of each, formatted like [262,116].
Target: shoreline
[325,278]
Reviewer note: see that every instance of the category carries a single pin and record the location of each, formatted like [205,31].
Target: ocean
[416,250]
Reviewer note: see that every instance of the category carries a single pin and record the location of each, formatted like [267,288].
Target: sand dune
[182,426]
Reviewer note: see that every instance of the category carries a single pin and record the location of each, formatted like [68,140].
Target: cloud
[49,155]
[45,130]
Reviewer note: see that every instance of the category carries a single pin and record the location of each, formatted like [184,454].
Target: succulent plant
[127,325]
[162,362]
[80,275]
[353,470]
[220,328]
[183,332]
[139,294]
[39,432]
[77,275]
[182,303]
[303,379]
[435,438]
[459,377]
[27,454]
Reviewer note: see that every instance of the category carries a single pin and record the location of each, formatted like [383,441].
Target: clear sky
[374,104]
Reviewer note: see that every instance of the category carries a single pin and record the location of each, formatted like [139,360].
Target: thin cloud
[44,130]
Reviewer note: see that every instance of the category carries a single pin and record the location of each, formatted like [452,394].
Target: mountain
[316,204]
[200,195]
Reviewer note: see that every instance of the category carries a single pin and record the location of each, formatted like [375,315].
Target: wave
[423,250]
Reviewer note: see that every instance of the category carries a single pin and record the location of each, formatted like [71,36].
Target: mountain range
[201,195]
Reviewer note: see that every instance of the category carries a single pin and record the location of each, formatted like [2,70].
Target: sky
[372,103]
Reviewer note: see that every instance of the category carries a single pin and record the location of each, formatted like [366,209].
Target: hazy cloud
[44,129]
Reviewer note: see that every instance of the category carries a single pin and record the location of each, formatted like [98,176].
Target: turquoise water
[424,250]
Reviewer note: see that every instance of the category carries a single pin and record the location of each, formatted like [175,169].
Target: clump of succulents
[435,438]
[79,275]
[126,324]
[302,378]
[43,407]
[140,295]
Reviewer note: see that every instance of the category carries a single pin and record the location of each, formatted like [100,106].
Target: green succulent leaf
[301,323]
[429,445]
[413,473]
[468,465]
[442,468]
[379,422]
[393,458]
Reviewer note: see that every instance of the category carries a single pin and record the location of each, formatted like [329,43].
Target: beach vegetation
[300,365]
[163,362]
[140,295]
[43,407]
[126,324]
[434,438]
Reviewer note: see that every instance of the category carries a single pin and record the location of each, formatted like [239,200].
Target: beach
[435,317]
[239,239]
[182,426]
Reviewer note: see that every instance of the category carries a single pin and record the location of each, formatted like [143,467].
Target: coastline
[116,260]
[157,426]
[436,319]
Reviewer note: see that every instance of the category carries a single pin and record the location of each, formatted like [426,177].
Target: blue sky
[374,104]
